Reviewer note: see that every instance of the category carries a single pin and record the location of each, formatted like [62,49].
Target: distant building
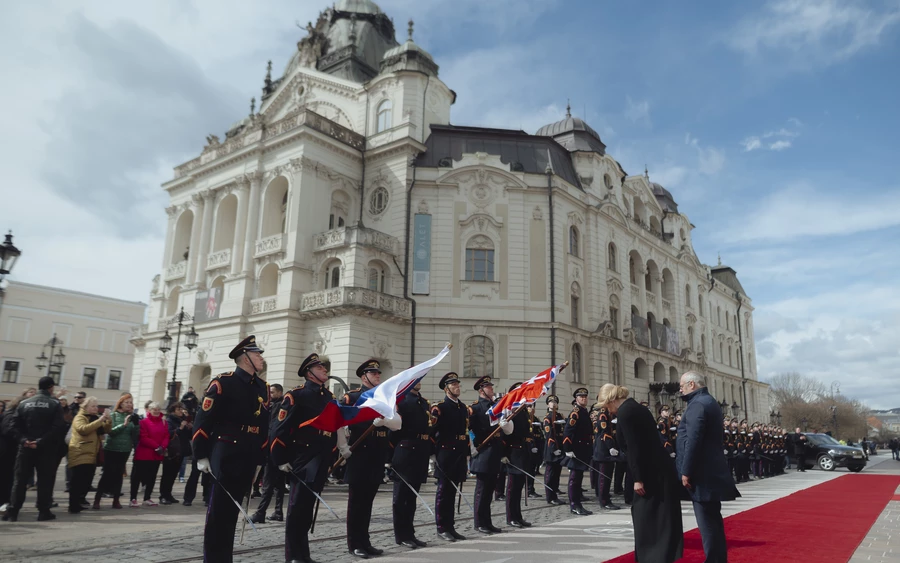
[94,333]
[349,217]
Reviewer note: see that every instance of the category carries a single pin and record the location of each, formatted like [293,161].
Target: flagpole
[496,430]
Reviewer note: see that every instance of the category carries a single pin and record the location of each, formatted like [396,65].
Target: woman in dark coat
[656,512]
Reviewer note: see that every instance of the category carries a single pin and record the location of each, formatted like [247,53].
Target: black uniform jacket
[412,443]
[366,465]
[605,438]
[519,443]
[577,438]
[307,449]
[38,418]
[450,435]
[232,424]
[488,459]
[553,436]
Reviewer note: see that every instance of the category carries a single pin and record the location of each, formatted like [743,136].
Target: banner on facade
[206,305]
[421,283]
[672,346]
[641,330]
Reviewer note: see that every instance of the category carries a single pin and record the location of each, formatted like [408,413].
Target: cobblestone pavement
[174,533]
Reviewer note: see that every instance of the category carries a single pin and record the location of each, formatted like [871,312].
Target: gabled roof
[726,275]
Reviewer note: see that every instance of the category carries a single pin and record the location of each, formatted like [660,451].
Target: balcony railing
[667,305]
[269,245]
[218,259]
[354,301]
[176,271]
[651,298]
[635,292]
[346,236]
[263,305]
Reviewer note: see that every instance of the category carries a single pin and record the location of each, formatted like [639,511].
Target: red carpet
[825,523]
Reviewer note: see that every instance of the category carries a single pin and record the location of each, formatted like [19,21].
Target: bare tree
[788,388]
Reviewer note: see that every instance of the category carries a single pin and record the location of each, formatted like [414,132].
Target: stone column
[170,233]
[240,229]
[196,229]
[252,221]
[205,234]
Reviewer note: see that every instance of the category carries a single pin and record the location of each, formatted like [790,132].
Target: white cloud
[780,145]
[637,111]
[751,144]
[780,133]
[814,31]
[710,160]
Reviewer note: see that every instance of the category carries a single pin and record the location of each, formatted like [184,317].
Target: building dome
[567,125]
[409,56]
[664,197]
[357,6]
[574,134]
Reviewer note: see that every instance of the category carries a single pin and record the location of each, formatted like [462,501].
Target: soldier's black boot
[12,515]
[580,510]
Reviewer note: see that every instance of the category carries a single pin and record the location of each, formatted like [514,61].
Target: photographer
[176,423]
[150,451]
[84,446]
[122,437]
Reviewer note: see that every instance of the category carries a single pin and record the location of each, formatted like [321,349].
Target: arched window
[480,259]
[721,352]
[729,355]
[268,281]
[659,372]
[703,344]
[611,257]
[333,275]
[576,363]
[226,219]
[182,239]
[652,276]
[614,314]
[274,208]
[727,321]
[576,304]
[668,285]
[699,303]
[690,335]
[615,368]
[478,357]
[573,241]
[718,315]
[375,277]
[687,295]
[172,302]
[641,371]
[383,116]
[635,266]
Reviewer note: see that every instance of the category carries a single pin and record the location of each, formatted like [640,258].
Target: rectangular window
[115,379]
[575,306]
[88,376]
[614,319]
[11,371]
[479,265]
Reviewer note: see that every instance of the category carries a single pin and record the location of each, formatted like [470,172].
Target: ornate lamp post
[778,417]
[8,256]
[735,409]
[165,344]
[834,420]
[55,361]
[664,396]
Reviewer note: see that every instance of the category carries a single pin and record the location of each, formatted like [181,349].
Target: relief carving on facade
[537,214]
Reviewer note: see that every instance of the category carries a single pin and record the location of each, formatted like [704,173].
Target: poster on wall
[422,255]
[206,305]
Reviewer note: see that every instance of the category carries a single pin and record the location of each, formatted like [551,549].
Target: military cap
[247,345]
[514,385]
[311,361]
[645,404]
[367,366]
[483,381]
[580,392]
[662,408]
[553,398]
[449,377]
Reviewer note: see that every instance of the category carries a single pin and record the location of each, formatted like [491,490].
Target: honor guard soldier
[486,461]
[578,447]
[537,453]
[518,445]
[553,455]
[365,469]
[230,441]
[409,465]
[450,434]
[663,423]
[607,454]
[304,452]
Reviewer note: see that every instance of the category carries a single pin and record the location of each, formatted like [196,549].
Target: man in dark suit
[409,465]
[450,434]
[486,453]
[702,464]
[800,443]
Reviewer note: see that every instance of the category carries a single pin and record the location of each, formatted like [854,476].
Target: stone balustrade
[269,245]
[354,301]
[176,271]
[346,236]
[263,304]
[219,259]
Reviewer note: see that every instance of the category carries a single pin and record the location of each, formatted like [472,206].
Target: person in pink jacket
[148,454]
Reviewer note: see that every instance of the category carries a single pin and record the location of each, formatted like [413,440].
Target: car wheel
[826,463]
[856,469]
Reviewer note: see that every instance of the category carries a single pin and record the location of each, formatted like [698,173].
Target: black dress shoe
[44,516]
[186,503]
[533,494]
[525,524]
[494,529]
[556,502]
[580,511]
[419,542]
[361,553]
[164,501]
[457,535]
[258,518]
[409,543]
[12,515]
[515,524]
[276,518]
[610,506]
[484,530]
[373,550]
[443,535]
[500,497]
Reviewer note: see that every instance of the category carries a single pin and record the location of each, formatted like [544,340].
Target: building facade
[348,217]
[91,331]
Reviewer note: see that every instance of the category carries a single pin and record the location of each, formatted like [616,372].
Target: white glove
[345,451]
[534,450]
[726,452]
[560,422]
[378,422]
[613,452]
[615,420]
[672,455]
[557,452]
[504,460]
[473,450]
[393,423]
[506,426]
[203,464]
[570,454]
[286,467]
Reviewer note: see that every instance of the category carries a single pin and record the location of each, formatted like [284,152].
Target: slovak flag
[377,402]
[524,394]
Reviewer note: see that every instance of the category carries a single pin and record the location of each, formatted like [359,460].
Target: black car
[828,453]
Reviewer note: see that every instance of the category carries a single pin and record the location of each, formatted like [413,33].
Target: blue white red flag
[377,402]
[524,394]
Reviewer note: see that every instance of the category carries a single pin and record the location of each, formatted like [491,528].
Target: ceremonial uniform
[756,451]
[607,454]
[729,446]
[553,455]
[409,465]
[578,447]
[231,432]
[743,463]
[450,434]
[518,451]
[309,453]
[537,454]
[364,471]
[485,465]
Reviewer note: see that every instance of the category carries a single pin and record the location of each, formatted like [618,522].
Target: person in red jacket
[149,454]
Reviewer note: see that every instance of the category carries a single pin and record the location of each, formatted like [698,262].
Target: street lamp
[772,417]
[663,396]
[778,417]
[53,362]
[834,420]
[735,409]
[8,256]
[165,344]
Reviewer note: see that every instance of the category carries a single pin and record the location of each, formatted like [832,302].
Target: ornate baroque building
[348,217]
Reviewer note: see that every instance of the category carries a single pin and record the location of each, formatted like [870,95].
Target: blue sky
[773,124]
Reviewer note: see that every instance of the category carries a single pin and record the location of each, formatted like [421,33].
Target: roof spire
[646,172]
[568,109]
[720,259]
[267,83]
[353,27]
[410,29]
[252,106]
